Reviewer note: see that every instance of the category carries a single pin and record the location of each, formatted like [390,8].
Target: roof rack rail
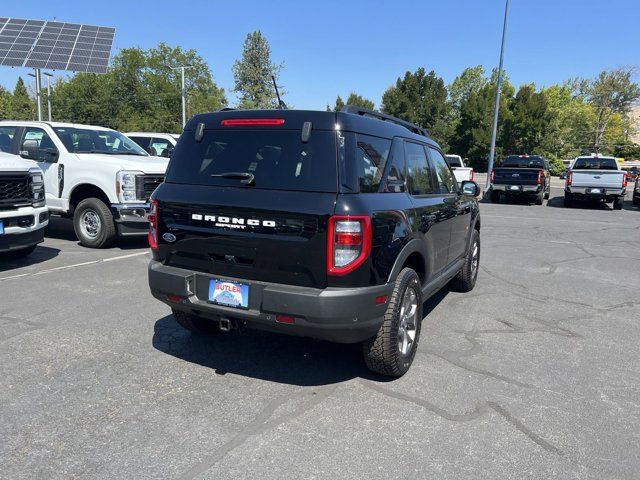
[364,112]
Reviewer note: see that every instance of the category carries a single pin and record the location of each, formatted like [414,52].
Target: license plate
[595,190]
[1,227]
[514,187]
[229,293]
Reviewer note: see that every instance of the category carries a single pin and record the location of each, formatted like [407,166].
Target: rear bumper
[343,315]
[521,190]
[131,218]
[587,192]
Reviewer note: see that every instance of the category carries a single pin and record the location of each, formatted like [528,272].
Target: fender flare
[413,246]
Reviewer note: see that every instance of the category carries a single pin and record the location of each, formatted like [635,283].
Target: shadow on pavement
[39,255]
[269,356]
[558,202]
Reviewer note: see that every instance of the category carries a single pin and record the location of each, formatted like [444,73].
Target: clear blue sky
[331,47]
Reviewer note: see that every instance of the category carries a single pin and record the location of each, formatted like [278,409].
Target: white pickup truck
[23,213]
[597,178]
[461,172]
[96,175]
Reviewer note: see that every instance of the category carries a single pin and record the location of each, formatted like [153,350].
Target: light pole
[48,75]
[36,74]
[183,92]
[494,133]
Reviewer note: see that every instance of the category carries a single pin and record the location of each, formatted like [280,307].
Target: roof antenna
[281,104]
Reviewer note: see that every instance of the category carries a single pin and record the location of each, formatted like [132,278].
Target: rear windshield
[454,161]
[277,159]
[523,162]
[592,163]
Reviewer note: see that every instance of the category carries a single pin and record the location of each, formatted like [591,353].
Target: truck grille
[146,184]
[14,190]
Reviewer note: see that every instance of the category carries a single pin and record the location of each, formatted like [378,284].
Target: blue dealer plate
[1,227]
[228,293]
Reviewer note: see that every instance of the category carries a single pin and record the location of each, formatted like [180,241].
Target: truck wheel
[568,200]
[466,278]
[194,323]
[617,203]
[547,193]
[494,196]
[392,350]
[539,199]
[636,201]
[93,223]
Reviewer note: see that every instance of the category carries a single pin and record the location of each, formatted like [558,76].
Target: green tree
[22,106]
[252,74]
[353,99]
[140,92]
[612,92]
[472,136]
[526,129]
[420,98]
[469,82]
[5,104]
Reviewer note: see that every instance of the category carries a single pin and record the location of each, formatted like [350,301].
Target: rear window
[454,161]
[523,162]
[594,163]
[277,159]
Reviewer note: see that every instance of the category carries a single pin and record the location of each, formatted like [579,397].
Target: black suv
[335,226]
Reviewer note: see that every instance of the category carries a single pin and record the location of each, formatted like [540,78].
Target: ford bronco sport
[331,225]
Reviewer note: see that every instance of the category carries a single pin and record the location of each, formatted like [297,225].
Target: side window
[446,183]
[418,174]
[372,154]
[46,148]
[395,174]
[160,147]
[6,138]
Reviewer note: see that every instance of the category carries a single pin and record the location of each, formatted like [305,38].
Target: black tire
[568,199]
[547,194]
[382,353]
[466,278]
[89,210]
[636,200]
[195,324]
[618,203]
[494,196]
[23,252]
[539,199]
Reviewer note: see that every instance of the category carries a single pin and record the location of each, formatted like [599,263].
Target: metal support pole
[48,75]
[184,100]
[38,92]
[494,133]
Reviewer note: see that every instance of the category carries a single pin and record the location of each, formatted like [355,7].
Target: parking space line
[66,267]
[549,219]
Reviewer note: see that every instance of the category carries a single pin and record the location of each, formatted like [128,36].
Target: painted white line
[75,265]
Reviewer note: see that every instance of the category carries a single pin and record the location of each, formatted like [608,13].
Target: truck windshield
[86,140]
[525,161]
[264,159]
[595,163]
[454,161]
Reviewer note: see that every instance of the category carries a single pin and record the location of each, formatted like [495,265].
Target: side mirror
[168,152]
[470,188]
[30,150]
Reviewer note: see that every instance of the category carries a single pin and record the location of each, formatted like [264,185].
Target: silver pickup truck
[597,178]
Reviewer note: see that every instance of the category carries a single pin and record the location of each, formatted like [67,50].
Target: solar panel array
[55,45]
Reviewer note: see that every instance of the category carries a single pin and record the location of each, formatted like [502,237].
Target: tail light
[539,177]
[153,224]
[491,175]
[348,243]
[624,180]
[569,178]
[471,175]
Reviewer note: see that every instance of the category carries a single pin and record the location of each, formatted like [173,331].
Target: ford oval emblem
[169,237]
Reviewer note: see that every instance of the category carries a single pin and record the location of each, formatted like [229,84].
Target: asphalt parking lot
[534,374]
